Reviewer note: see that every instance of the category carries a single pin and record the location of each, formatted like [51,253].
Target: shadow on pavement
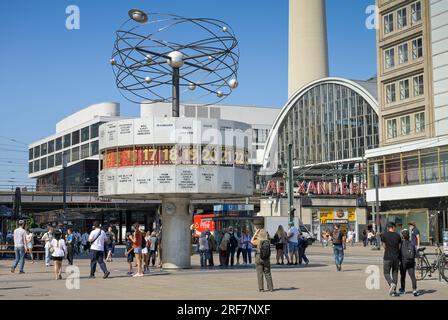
[286,289]
[15,288]
[423,292]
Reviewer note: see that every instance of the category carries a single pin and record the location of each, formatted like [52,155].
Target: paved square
[318,280]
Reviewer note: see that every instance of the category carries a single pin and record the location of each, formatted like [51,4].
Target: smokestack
[308,48]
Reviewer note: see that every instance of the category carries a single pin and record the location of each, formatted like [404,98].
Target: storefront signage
[337,215]
[317,188]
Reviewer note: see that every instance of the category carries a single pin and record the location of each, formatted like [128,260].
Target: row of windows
[402,51]
[66,141]
[408,168]
[403,17]
[260,135]
[77,153]
[404,87]
[405,125]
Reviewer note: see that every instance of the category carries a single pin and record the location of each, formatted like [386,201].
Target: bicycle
[423,266]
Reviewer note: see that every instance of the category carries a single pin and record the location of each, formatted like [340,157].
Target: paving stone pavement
[318,280]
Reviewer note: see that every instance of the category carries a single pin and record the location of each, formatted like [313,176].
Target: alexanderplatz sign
[317,188]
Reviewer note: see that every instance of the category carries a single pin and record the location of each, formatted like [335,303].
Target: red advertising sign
[203,223]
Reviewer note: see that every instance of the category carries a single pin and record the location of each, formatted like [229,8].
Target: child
[129,252]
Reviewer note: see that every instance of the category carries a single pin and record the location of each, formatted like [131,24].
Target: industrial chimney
[308,49]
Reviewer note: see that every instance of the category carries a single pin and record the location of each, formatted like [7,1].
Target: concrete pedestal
[176,234]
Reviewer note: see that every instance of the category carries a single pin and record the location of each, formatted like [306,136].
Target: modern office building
[412,43]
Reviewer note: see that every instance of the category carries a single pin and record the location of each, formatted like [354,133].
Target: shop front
[238,216]
[345,217]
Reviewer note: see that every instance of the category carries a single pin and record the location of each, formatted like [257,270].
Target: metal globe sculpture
[160,57]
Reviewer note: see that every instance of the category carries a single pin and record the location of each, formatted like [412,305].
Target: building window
[75,138]
[416,12]
[390,93]
[388,23]
[51,146]
[391,128]
[50,161]
[405,125]
[417,48]
[390,58]
[58,143]
[43,149]
[420,122]
[94,130]
[75,154]
[43,163]
[85,151]
[67,140]
[418,86]
[404,89]
[36,165]
[31,154]
[94,150]
[85,134]
[30,167]
[58,159]
[403,53]
[402,19]
[36,152]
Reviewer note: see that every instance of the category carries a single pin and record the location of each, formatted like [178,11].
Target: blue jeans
[204,257]
[47,256]
[247,255]
[338,251]
[20,256]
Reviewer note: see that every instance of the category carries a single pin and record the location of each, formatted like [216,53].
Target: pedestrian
[414,234]
[338,239]
[302,245]
[240,245]
[323,236]
[159,247]
[211,247]
[350,235]
[247,247]
[58,250]
[153,244]
[70,243]
[19,247]
[47,237]
[137,240]
[262,259]
[85,242]
[129,254]
[392,242]
[371,238]
[407,263]
[292,235]
[78,242]
[111,239]
[30,244]
[364,238]
[145,251]
[224,248]
[233,246]
[203,249]
[97,239]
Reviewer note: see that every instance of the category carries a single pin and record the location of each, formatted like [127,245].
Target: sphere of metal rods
[204,51]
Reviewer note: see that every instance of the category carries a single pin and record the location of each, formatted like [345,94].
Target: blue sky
[48,72]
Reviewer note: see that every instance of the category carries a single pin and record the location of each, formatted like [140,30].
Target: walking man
[97,238]
[391,242]
[19,247]
[47,237]
[293,243]
[338,238]
[415,234]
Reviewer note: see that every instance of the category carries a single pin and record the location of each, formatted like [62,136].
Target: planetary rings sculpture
[157,57]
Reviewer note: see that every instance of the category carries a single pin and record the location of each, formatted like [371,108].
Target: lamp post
[377,205]
[64,183]
[290,178]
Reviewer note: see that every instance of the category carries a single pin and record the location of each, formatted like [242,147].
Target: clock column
[176,234]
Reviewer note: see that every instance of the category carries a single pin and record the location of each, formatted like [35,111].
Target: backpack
[265,250]
[407,251]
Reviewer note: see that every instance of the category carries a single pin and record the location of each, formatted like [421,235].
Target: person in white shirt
[59,249]
[29,244]
[97,238]
[19,247]
[293,243]
[203,249]
[47,237]
[85,242]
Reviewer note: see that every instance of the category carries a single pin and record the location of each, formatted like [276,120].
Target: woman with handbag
[58,250]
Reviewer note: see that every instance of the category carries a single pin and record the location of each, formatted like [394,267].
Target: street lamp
[377,205]
[64,183]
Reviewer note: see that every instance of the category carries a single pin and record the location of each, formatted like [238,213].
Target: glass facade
[411,168]
[329,122]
